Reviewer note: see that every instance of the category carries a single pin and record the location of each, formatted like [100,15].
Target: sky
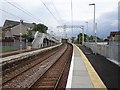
[58,12]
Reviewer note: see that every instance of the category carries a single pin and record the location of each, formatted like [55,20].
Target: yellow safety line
[96,80]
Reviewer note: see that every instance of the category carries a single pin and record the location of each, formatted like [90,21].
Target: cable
[50,11]
[22,10]
[56,10]
[27,12]
[32,15]
[11,14]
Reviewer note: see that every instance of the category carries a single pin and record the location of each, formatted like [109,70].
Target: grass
[8,48]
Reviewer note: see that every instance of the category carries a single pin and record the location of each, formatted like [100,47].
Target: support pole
[21,21]
[83,35]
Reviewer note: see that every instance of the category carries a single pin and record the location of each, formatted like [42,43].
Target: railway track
[21,66]
[52,78]
[40,73]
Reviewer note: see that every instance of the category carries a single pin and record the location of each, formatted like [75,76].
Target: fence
[110,51]
[11,46]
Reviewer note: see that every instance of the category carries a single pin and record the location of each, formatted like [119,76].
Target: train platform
[108,71]
[86,71]
[4,54]
[82,74]
[24,55]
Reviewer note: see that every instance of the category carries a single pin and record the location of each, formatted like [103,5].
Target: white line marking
[69,80]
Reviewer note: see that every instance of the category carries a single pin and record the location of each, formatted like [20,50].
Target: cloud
[81,12]
[114,23]
[107,23]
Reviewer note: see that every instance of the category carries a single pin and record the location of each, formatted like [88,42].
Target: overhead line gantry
[74,26]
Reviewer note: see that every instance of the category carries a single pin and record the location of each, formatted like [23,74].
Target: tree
[99,39]
[91,38]
[41,28]
[79,39]
[28,35]
[37,27]
[86,38]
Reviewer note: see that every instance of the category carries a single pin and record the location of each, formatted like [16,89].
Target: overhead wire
[26,12]
[32,15]
[11,14]
[29,14]
[56,10]
[50,11]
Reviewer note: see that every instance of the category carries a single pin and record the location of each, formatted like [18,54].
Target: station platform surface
[25,54]
[82,74]
[108,71]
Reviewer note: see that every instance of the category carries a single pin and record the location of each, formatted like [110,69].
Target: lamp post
[96,34]
[87,29]
[94,29]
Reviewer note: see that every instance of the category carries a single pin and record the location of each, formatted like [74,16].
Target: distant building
[12,28]
[0,33]
[114,37]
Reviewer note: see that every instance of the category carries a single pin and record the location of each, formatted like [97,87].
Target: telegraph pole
[87,29]
[82,35]
[21,21]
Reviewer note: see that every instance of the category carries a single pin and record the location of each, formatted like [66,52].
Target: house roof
[9,24]
[114,33]
[30,25]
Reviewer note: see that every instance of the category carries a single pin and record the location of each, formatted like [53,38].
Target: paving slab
[82,74]
[107,71]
